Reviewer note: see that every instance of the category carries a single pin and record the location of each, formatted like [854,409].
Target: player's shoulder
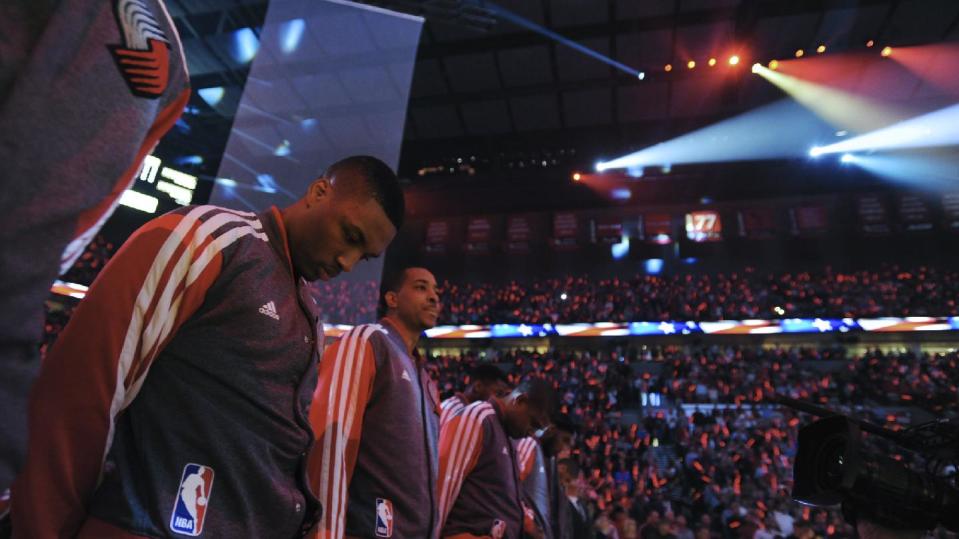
[364,333]
[206,219]
[477,412]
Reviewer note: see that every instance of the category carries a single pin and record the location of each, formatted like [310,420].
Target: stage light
[886,52]
[712,62]
[870,43]
[842,133]
[211,95]
[600,166]
[668,67]
[815,151]
[821,49]
[799,53]
[577,176]
[641,75]
[774,65]
[734,60]
[756,67]
[691,64]
[563,296]
[291,34]
[654,266]
[245,45]
[931,130]
[847,158]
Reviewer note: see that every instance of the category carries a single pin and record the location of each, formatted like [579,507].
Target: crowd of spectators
[890,290]
[723,470]
[746,294]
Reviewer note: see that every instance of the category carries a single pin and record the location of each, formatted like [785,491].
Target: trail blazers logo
[144,57]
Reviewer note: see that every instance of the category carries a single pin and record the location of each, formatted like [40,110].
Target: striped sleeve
[154,283]
[525,456]
[346,376]
[449,408]
[461,442]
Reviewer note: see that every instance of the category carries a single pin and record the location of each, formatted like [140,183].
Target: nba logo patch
[192,499]
[384,518]
[498,531]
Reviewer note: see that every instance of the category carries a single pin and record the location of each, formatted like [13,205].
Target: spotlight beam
[508,15]
[776,131]
[842,109]
[935,129]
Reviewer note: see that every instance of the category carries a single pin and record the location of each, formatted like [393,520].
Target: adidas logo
[505,452]
[406,376]
[269,309]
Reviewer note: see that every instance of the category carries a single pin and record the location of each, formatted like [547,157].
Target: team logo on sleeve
[384,518]
[192,500]
[144,57]
[498,531]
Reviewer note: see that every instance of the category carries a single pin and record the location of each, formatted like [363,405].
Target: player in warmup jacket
[486,381]
[536,459]
[376,418]
[175,402]
[480,489]
[87,88]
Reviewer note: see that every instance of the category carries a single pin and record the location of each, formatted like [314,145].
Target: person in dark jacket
[480,488]
[175,402]
[376,420]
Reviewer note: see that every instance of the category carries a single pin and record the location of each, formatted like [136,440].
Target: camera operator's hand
[871,530]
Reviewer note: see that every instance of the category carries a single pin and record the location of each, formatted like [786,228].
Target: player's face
[417,301]
[497,388]
[338,230]
[517,418]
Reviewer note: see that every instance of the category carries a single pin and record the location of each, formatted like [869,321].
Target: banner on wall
[703,226]
[437,236]
[478,235]
[873,215]
[565,230]
[811,220]
[518,234]
[757,223]
[914,214]
[657,228]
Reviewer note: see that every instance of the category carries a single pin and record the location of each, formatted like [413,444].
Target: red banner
[873,215]
[914,214]
[565,230]
[607,229]
[478,233]
[757,223]
[704,226]
[809,220]
[950,210]
[437,236]
[658,228]
[517,234]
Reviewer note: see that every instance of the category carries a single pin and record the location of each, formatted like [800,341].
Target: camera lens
[831,464]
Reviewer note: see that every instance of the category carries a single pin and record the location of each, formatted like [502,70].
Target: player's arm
[526,457]
[95,369]
[346,375]
[461,442]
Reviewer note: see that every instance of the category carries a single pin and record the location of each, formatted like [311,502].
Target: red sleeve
[150,287]
[526,457]
[461,442]
[346,375]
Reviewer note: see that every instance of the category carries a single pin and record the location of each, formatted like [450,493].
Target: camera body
[834,467]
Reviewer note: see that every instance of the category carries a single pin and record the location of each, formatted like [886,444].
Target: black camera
[834,467]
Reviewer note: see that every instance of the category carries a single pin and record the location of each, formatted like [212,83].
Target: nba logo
[498,531]
[192,499]
[384,518]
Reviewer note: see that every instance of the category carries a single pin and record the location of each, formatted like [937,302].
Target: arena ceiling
[496,95]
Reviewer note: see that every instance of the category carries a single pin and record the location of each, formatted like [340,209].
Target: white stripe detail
[469,450]
[467,431]
[144,297]
[164,315]
[346,342]
[346,372]
[169,318]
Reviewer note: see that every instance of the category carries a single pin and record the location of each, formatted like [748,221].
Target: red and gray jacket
[375,462]
[533,474]
[480,486]
[450,407]
[175,401]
